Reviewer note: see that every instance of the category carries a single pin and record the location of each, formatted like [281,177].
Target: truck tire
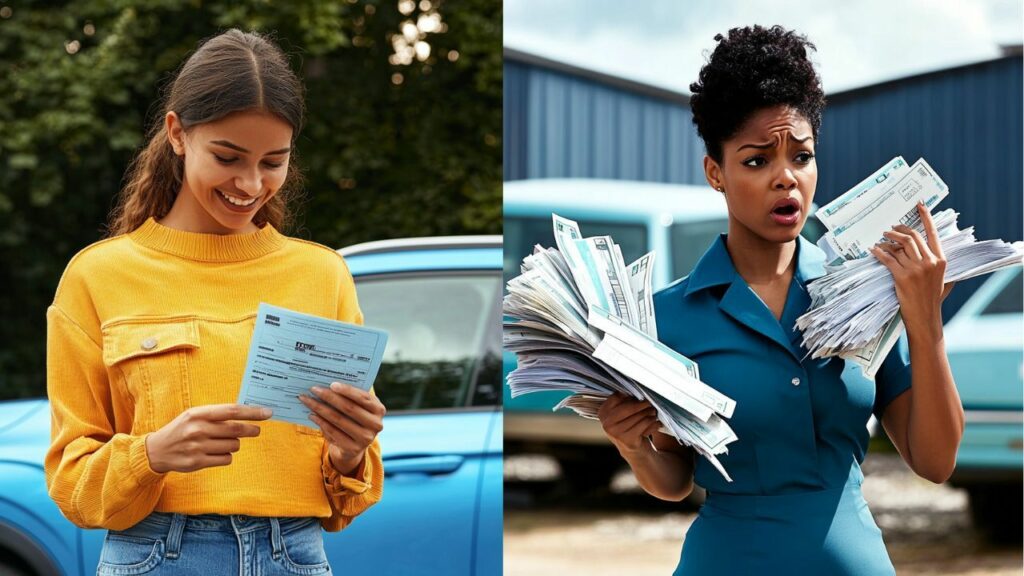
[995,511]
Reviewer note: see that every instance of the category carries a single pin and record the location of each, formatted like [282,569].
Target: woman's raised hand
[202,437]
[918,268]
[628,422]
[350,419]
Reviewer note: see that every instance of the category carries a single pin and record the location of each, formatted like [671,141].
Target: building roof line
[519,56]
[641,88]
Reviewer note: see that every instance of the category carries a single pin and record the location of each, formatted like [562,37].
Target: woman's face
[233,167]
[768,174]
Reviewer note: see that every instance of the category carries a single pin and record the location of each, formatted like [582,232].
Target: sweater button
[149,343]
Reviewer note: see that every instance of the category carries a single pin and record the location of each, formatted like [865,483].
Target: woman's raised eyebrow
[770,144]
[227,144]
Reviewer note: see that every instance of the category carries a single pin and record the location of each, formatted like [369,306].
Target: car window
[441,338]
[689,242]
[1008,301]
[522,233]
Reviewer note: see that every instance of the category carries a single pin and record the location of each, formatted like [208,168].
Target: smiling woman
[212,141]
[148,334]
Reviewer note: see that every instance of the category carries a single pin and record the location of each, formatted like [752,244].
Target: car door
[439,382]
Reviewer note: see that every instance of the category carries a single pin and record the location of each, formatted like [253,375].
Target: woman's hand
[628,422]
[350,419]
[202,437]
[918,268]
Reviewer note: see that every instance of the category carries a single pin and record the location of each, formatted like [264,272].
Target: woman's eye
[225,160]
[804,157]
[272,165]
[754,162]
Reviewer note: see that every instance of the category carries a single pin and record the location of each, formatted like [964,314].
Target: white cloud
[859,42]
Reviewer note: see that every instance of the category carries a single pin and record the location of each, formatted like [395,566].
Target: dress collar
[715,267]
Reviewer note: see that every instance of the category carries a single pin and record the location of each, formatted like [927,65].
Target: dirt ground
[927,530]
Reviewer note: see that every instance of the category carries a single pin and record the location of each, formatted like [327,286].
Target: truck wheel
[589,469]
[995,510]
[12,566]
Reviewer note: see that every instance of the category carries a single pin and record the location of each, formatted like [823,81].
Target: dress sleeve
[97,477]
[893,377]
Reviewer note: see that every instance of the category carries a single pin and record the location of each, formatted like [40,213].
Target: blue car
[440,300]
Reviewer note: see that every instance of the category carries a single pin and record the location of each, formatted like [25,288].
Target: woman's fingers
[885,256]
[363,398]
[622,428]
[336,436]
[931,231]
[361,434]
[617,408]
[915,236]
[348,407]
[893,251]
[906,242]
[222,445]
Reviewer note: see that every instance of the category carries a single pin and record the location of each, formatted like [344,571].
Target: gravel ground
[927,528]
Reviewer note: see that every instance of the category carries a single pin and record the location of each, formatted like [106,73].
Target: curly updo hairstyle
[751,69]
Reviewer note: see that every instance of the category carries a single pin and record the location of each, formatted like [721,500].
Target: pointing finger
[933,233]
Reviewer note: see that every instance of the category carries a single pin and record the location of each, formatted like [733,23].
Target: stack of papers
[854,310]
[580,320]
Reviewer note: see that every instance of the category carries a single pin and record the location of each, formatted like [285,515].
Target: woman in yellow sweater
[148,335]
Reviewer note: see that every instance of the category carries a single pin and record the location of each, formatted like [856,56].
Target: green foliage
[80,80]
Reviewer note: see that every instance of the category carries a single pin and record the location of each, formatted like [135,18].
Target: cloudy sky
[860,42]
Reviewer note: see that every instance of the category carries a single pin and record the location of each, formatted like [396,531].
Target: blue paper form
[291,352]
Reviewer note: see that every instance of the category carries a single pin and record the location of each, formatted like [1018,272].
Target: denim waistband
[236,523]
[805,503]
[170,526]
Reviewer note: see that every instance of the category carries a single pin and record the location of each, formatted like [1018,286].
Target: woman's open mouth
[236,204]
[786,212]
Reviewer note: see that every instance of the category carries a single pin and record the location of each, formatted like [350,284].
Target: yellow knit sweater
[196,296]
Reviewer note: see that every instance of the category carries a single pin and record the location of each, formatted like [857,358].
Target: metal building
[561,121]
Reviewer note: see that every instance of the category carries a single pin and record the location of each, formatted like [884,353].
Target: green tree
[393,146]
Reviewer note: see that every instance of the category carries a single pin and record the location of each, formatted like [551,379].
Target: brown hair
[232,72]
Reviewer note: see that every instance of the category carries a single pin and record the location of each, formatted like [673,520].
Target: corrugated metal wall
[558,125]
[966,122]
[562,122]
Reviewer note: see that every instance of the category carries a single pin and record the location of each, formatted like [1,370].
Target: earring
[721,189]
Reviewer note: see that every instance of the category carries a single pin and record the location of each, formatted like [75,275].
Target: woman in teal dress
[795,504]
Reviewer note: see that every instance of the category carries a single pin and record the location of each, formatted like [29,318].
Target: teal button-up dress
[795,504]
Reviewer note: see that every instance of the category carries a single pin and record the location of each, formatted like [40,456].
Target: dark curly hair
[754,68]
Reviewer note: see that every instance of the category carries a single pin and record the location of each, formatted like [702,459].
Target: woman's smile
[237,203]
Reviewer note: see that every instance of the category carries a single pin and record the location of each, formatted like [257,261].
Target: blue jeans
[211,544]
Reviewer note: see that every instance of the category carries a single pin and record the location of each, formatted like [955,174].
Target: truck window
[1008,301]
[522,233]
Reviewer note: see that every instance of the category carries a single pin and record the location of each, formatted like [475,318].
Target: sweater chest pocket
[151,356]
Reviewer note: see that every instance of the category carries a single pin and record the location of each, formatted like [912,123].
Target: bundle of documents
[854,310]
[582,321]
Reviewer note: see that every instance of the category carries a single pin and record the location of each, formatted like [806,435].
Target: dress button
[149,343]
[795,381]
